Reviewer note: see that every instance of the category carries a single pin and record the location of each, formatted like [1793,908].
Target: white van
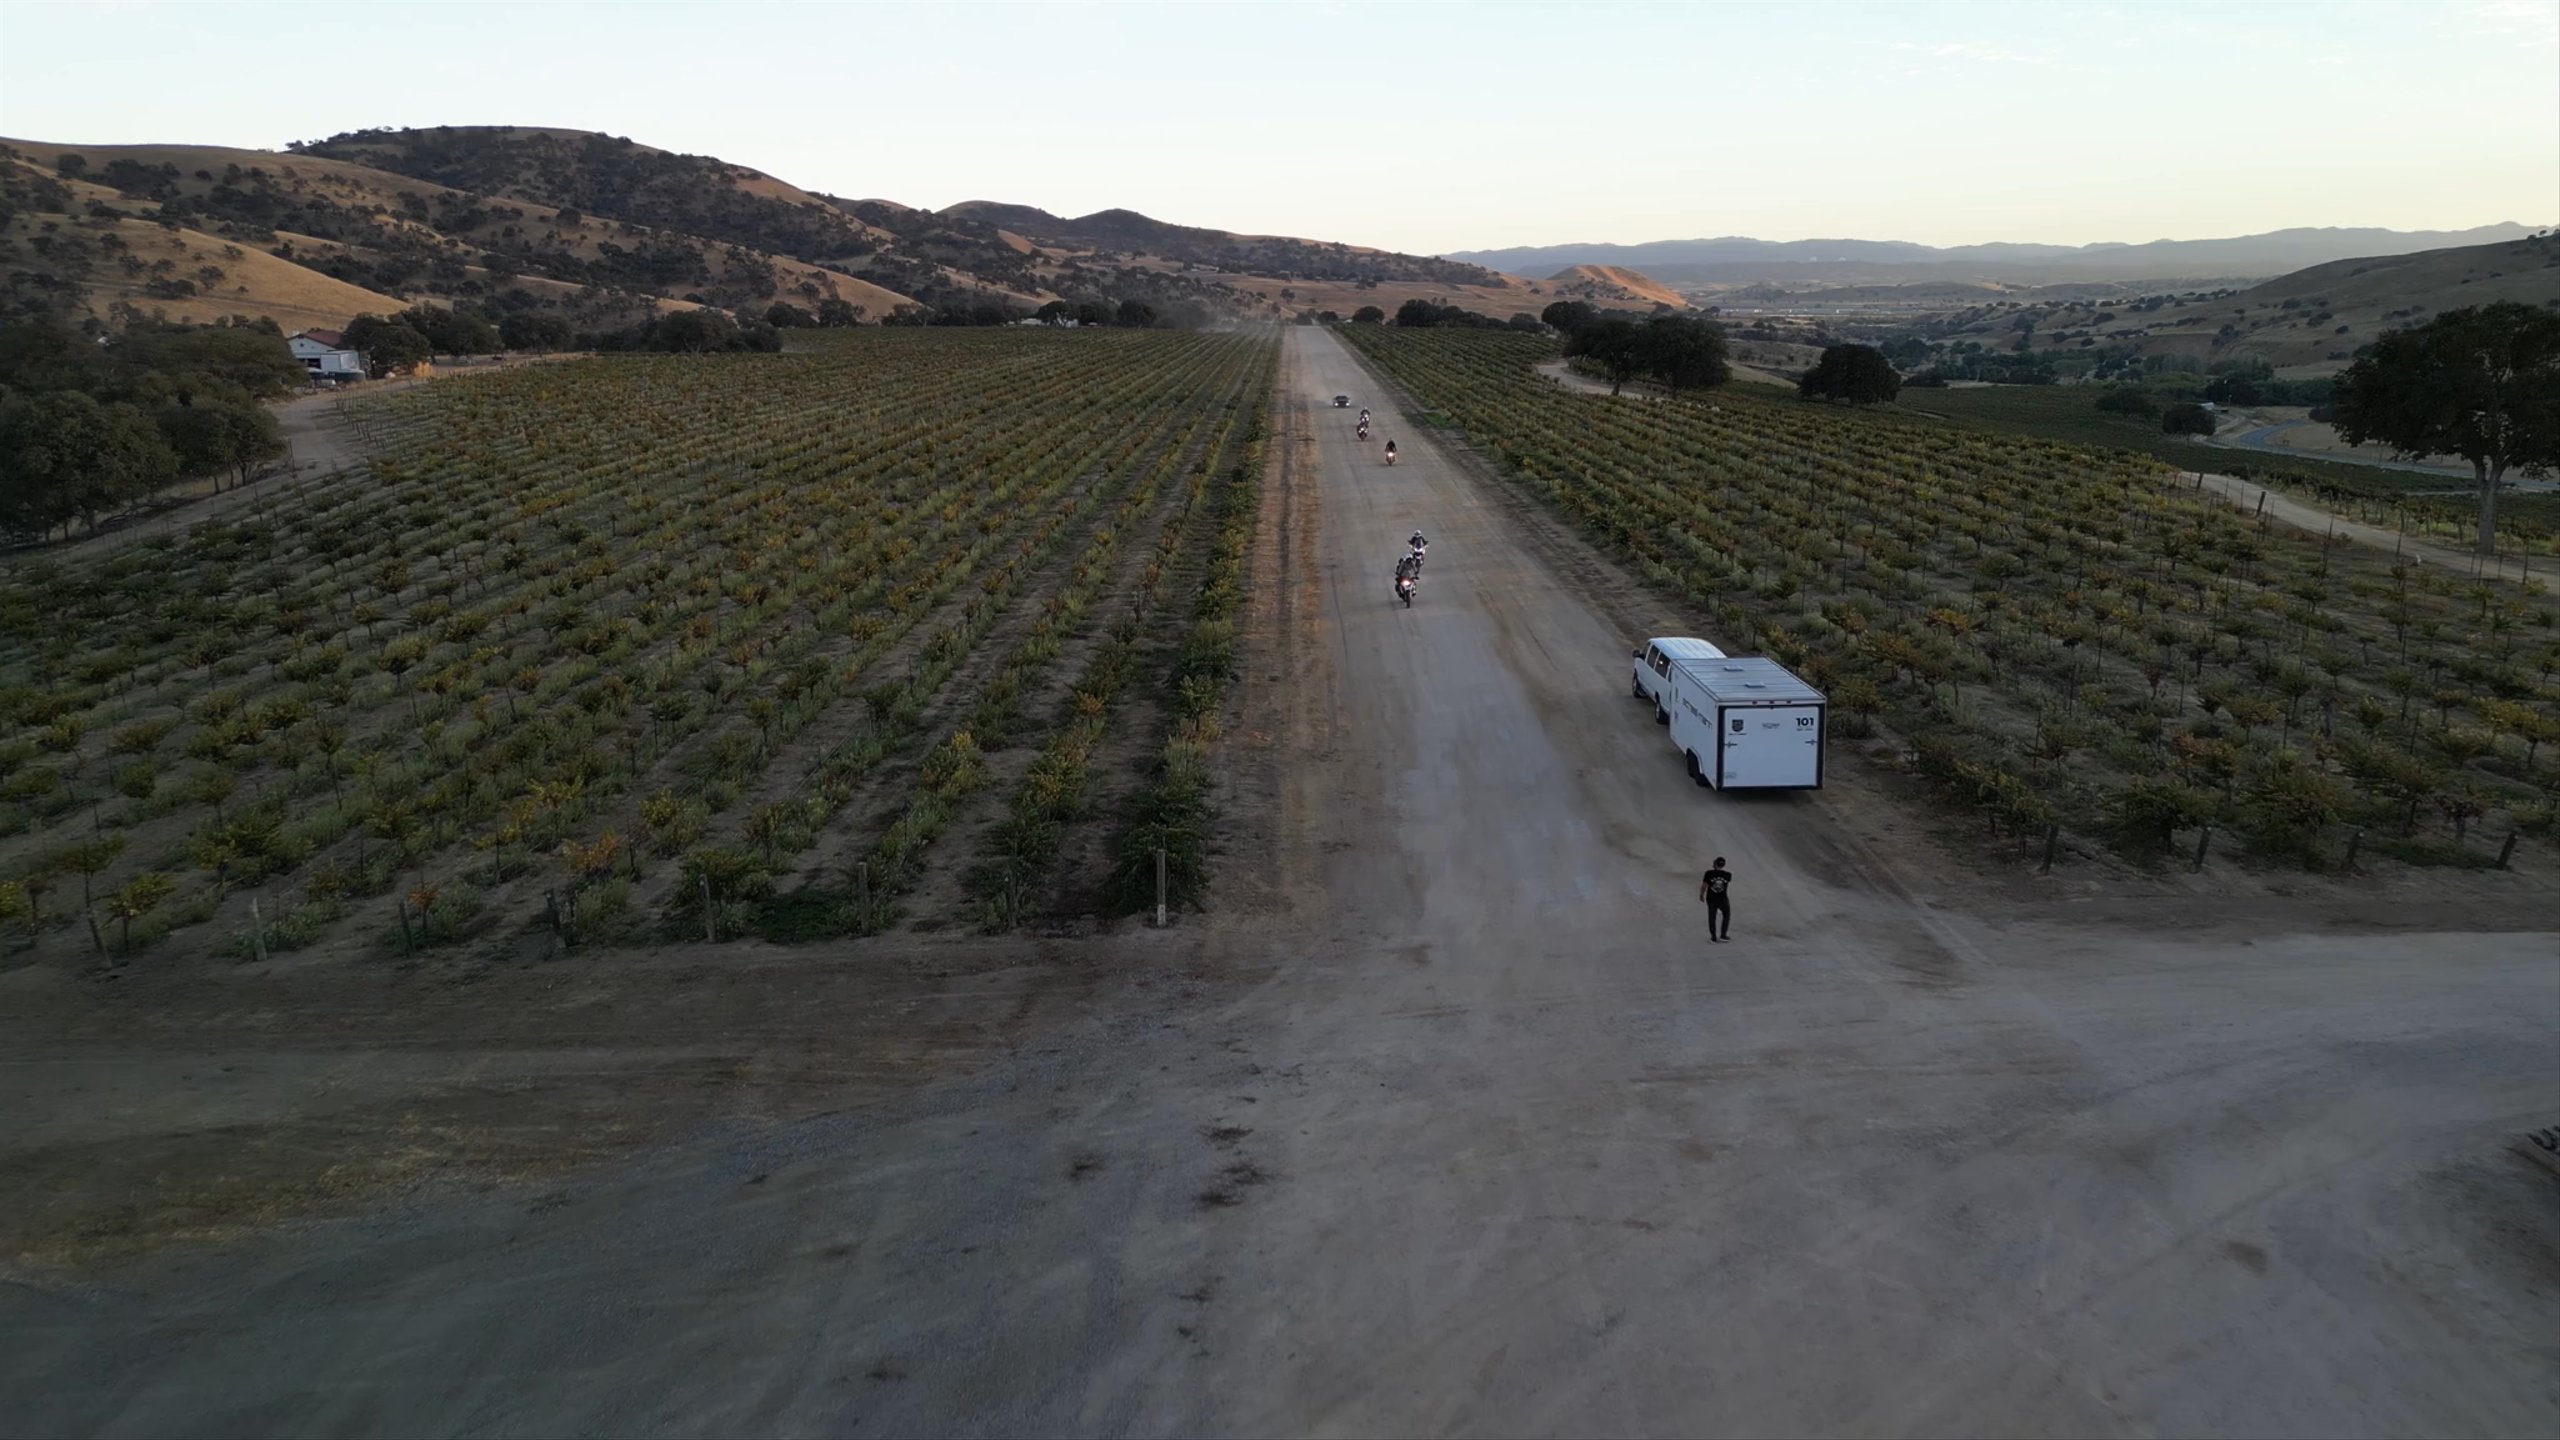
[1746,724]
[1653,668]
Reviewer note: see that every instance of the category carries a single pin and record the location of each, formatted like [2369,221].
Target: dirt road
[2313,520]
[1452,1124]
[320,452]
[2290,433]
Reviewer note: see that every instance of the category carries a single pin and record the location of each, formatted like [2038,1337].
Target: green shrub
[2143,818]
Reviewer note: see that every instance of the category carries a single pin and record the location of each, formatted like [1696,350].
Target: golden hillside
[604,230]
[1613,284]
[317,234]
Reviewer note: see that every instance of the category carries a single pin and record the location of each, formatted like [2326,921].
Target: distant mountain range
[1738,259]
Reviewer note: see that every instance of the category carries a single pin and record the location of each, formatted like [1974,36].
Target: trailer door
[1772,747]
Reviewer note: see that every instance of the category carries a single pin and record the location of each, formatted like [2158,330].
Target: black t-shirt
[1715,882]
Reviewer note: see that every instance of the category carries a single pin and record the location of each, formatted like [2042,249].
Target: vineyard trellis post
[710,916]
[1160,887]
[2052,836]
[2204,840]
[257,931]
[2507,851]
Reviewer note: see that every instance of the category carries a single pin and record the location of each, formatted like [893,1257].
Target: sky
[1422,127]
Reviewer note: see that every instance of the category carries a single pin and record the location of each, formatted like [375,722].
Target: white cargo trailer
[1746,723]
[1653,667]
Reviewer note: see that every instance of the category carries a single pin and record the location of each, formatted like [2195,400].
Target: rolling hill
[605,230]
[1613,285]
[393,237]
[2309,321]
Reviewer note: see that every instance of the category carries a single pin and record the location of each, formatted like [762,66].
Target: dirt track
[2312,520]
[1451,1123]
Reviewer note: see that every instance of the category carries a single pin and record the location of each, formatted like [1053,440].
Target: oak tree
[2482,383]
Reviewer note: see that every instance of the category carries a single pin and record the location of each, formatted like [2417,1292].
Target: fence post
[257,931]
[710,917]
[2202,841]
[1159,887]
[2355,842]
[2052,833]
[2507,850]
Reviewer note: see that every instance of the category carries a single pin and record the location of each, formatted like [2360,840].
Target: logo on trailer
[1737,727]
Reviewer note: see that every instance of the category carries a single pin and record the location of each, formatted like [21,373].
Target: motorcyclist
[1391,452]
[1364,414]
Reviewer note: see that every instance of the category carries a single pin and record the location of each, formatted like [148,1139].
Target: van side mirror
[1637,652]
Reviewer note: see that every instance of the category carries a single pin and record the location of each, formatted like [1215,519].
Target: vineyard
[2053,635]
[924,628]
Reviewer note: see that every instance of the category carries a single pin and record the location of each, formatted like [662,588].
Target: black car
[1341,402]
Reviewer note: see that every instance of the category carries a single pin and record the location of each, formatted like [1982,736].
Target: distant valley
[1738,260]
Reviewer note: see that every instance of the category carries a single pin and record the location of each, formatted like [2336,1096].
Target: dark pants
[1719,917]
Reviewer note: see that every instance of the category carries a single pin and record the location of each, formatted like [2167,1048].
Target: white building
[325,354]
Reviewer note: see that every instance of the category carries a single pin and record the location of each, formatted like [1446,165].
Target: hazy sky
[1420,127]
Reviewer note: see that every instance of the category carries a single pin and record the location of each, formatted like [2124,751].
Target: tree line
[94,425]
[1422,314]
[1677,352]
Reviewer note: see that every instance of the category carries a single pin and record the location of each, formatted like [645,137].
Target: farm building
[325,354]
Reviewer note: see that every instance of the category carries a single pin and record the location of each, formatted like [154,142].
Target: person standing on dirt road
[1712,888]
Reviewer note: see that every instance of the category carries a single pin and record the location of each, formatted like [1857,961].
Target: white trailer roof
[1750,680]
[1685,647]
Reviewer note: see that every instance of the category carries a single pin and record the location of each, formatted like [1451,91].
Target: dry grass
[286,1173]
[2363,297]
[1604,283]
[253,282]
[363,187]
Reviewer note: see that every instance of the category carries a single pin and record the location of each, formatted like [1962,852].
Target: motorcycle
[1364,429]
[1391,454]
[1404,590]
